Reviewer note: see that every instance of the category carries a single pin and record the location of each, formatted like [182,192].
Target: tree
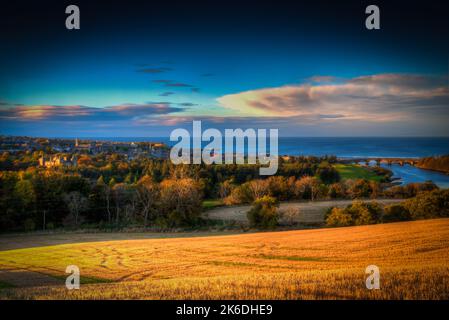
[279,187]
[240,194]
[327,173]
[26,197]
[225,189]
[375,190]
[307,188]
[360,213]
[359,188]
[105,192]
[76,203]
[264,213]
[181,201]
[336,190]
[258,188]
[338,217]
[119,195]
[148,194]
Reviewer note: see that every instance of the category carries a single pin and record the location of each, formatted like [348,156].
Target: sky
[142,69]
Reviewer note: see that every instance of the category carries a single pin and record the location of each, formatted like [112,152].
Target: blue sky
[246,65]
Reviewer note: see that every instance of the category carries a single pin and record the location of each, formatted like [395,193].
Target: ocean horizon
[342,147]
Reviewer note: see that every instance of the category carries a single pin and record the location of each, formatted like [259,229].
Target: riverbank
[412,174]
[439,164]
[404,170]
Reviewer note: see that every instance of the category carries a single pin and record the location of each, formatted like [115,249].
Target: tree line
[425,205]
[108,190]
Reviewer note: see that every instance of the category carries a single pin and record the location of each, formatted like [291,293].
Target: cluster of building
[130,149]
[74,147]
[58,160]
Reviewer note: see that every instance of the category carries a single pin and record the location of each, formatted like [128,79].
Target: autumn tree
[148,195]
[307,188]
[258,188]
[264,213]
[181,201]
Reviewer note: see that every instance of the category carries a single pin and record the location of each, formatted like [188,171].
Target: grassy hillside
[413,258]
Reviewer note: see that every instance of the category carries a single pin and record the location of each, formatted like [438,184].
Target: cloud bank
[374,98]
[374,105]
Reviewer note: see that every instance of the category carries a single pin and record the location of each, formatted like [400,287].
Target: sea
[358,147]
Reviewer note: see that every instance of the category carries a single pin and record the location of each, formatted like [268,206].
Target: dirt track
[309,212]
[34,239]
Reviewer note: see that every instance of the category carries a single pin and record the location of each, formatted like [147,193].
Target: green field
[353,171]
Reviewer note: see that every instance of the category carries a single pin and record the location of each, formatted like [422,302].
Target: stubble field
[413,258]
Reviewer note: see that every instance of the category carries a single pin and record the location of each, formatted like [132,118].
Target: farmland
[413,258]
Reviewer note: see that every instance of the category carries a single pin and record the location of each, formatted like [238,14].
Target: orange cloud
[384,97]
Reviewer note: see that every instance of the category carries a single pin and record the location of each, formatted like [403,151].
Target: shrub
[395,212]
[264,213]
[365,213]
[339,218]
[376,210]
[361,215]
[358,213]
[430,204]
[240,194]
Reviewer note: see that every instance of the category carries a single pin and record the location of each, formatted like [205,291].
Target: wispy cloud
[178,84]
[166,94]
[86,113]
[187,104]
[161,81]
[155,70]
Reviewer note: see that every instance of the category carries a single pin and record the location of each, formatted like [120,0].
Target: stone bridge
[389,161]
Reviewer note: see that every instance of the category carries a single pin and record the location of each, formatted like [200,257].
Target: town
[54,152]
